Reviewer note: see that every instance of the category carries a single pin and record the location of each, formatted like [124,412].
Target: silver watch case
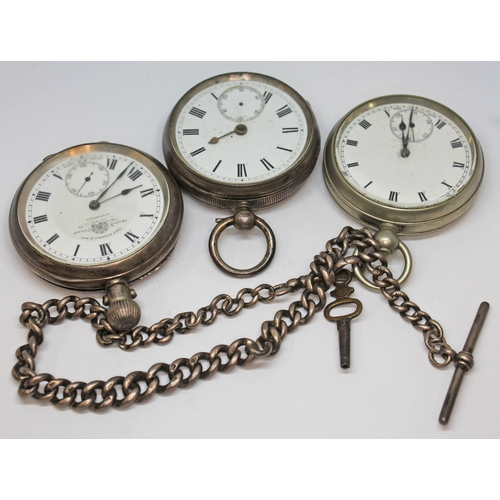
[407,220]
[94,277]
[258,194]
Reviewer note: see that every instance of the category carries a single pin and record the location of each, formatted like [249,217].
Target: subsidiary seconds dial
[87,179]
[241,103]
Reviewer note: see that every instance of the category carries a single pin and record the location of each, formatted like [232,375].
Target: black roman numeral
[52,239]
[147,192]
[131,236]
[355,164]
[458,164]
[40,218]
[285,110]
[111,163]
[351,142]
[134,174]
[439,124]
[284,149]
[105,249]
[76,250]
[55,174]
[242,170]
[387,113]
[446,184]
[456,143]
[191,131]
[198,151]
[146,215]
[371,182]
[393,196]
[217,166]
[365,124]
[267,96]
[42,196]
[266,164]
[214,96]
[422,196]
[289,130]
[199,113]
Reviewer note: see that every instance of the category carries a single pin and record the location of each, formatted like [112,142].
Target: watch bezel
[131,267]
[409,219]
[259,193]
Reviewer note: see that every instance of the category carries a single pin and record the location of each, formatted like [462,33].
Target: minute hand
[107,189]
[411,126]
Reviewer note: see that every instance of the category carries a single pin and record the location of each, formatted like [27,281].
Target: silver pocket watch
[97,216]
[241,141]
[407,165]
[404,165]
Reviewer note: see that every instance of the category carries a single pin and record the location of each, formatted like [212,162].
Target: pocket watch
[404,164]
[241,141]
[97,216]
[102,215]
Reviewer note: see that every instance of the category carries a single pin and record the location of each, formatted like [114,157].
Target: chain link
[161,378]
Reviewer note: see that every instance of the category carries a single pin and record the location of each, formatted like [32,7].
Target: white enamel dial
[241,132]
[94,207]
[403,160]
[405,155]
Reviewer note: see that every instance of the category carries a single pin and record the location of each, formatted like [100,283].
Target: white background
[390,391]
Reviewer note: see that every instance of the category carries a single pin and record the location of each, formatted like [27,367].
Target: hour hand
[95,204]
[240,129]
[124,192]
[402,127]
[405,152]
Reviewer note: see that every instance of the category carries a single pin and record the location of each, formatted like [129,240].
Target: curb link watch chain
[102,215]
[139,386]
